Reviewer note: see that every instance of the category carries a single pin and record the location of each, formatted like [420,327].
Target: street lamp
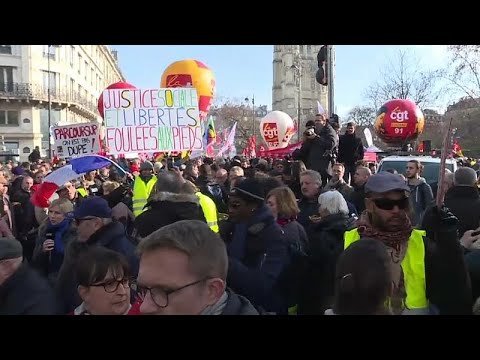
[253,107]
[49,99]
[297,71]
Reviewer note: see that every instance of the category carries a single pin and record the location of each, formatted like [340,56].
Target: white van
[431,165]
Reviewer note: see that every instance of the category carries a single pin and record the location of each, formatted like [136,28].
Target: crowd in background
[236,236]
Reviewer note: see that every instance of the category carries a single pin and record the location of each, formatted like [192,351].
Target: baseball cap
[384,181]
[94,206]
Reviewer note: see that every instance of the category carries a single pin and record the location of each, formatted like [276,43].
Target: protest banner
[76,140]
[148,121]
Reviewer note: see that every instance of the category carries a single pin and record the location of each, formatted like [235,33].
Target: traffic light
[322,76]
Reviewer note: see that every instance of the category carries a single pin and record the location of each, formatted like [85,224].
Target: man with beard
[422,196]
[428,276]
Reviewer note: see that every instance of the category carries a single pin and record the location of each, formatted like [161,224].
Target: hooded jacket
[421,197]
[165,208]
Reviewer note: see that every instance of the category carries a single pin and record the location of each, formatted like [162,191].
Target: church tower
[289,61]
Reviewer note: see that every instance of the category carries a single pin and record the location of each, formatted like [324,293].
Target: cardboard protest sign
[76,140]
[148,121]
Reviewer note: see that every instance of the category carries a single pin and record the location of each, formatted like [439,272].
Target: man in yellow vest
[142,187]
[428,277]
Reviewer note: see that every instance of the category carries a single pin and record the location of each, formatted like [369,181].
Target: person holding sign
[142,187]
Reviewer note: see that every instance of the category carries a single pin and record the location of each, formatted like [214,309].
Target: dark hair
[310,123]
[93,265]
[363,279]
[205,170]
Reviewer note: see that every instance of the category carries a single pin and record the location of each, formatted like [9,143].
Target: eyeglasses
[159,295]
[111,286]
[388,204]
[79,221]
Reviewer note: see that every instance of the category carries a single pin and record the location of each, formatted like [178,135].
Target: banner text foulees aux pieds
[152,120]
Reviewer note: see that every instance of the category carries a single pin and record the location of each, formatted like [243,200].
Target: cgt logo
[398,115]
[270,132]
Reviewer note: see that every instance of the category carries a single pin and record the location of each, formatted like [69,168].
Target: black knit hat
[248,190]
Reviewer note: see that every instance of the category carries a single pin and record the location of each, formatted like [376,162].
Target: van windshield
[430,170]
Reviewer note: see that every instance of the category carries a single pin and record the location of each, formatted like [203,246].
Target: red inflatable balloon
[399,121]
[117,85]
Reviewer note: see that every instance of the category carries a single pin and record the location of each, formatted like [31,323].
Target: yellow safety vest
[141,192]
[82,191]
[209,211]
[413,266]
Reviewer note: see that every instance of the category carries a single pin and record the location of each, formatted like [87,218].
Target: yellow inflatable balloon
[186,73]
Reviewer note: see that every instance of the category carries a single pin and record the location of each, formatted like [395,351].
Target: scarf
[392,239]
[218,307]
[396,243]
[59,230]
[282,221]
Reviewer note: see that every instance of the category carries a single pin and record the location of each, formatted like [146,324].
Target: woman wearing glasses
[104,283]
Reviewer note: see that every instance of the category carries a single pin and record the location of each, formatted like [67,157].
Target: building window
[53,81]
[6,78]
[309,50]
[72,55]
[49,51]
[86,69]
[72,89]
[79,63]
[92,78]
[26,121]
[26,150]
[6,49]
[8,118]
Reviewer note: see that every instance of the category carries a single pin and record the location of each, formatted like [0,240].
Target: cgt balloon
[192,73]
[277,129]
[399,121]
[117,85]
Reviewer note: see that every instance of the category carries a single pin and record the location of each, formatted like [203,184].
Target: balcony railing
[38,92]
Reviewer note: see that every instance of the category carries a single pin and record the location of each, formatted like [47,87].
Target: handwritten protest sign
[149,121]
[76,140]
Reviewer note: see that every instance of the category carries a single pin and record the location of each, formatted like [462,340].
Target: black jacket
[255,272]
[27,293]
[350,149]
[165,209]
[317,153]
[464,203]
[325,246]
[238,305]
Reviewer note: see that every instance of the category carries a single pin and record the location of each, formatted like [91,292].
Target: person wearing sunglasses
[428,276]
[103,283]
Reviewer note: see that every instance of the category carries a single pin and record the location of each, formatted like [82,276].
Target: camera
[310,132]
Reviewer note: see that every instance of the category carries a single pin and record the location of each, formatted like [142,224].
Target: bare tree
[463,72]
[363,116]
[227,112]
[403,78]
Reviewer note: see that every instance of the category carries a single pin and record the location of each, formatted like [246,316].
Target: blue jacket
[256,260]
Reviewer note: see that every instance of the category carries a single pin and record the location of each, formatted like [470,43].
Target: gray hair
[465,176]
[314,175]
[333,202]
[206,251]
[167,181]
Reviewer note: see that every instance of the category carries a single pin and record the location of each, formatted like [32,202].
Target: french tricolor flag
[75,169]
